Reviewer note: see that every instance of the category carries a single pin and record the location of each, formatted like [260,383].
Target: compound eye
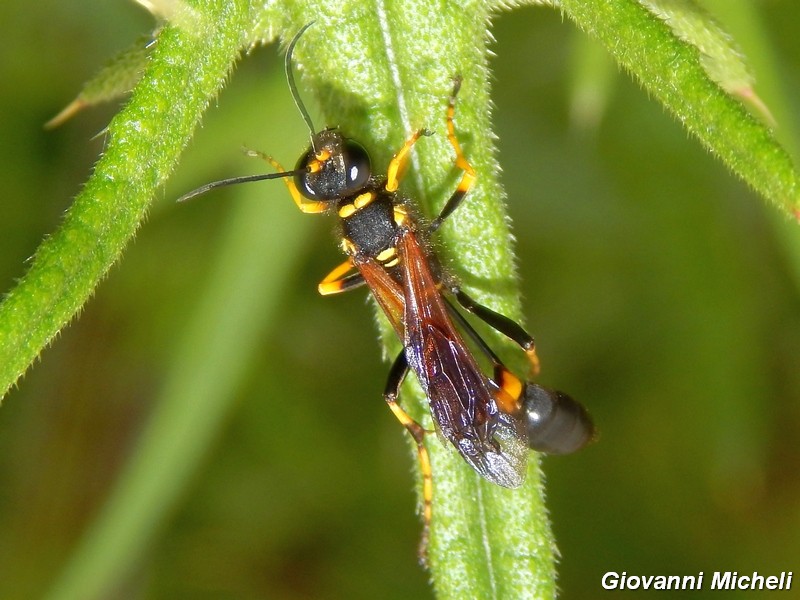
[310,181]
[357,166]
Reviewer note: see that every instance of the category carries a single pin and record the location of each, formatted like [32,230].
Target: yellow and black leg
[397,374]
[399,162]
[510,388]
[338,280]
[508,327]
[554,422]
[468,177]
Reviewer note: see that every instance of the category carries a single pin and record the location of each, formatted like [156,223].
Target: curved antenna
[234,181]
[292,86]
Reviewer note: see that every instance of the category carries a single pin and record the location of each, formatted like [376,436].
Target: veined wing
[461,401]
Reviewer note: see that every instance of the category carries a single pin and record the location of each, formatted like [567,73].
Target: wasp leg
[510,388]
[468,177]
[304,204]
[555,423]
[509,328]
[399,162]
[396,376]
[338,281]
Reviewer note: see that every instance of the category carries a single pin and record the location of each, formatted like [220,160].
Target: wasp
[492,420]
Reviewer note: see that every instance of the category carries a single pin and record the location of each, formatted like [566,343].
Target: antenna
[292,86]
[234,181]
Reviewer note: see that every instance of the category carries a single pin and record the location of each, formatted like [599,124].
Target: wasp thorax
[333,168]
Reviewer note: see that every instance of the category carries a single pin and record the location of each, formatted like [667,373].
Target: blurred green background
[662,293]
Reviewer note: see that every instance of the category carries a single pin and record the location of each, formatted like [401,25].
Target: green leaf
[379,78]
[485,541]
[113,81]
[719,55]
[674,71]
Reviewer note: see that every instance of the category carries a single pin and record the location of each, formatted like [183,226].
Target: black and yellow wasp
[492,420]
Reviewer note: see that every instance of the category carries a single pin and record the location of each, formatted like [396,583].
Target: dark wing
[461,401]
[464,408]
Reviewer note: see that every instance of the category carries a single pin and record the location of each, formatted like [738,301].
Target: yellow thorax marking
[362,200]
[387,255]
[400,214]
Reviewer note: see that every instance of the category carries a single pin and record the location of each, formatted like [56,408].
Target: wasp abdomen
[555,423]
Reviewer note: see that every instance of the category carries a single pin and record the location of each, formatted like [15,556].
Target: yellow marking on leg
[303,203]
[533,358]
[468,178]
[418,433]
[427,502]
[332,284]
[399,162]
